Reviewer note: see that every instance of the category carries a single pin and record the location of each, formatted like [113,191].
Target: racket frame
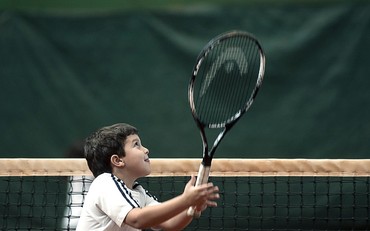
[204,169]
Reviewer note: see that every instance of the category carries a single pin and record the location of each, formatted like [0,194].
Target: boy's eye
[137,144]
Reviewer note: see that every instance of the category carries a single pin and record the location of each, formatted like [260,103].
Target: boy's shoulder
[102,179]
[110,179]
[103,176]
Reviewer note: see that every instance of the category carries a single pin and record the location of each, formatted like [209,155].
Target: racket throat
[217,141]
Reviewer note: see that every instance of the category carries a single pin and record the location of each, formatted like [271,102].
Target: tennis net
[256,194]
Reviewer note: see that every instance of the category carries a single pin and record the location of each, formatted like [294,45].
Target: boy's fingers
[211,203]
[215,189]
[192,179]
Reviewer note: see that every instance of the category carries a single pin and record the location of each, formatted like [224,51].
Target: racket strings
[254,68]
[216,86]
[233,83]
[218,108]
[240,87]
[225,80]
[202,105]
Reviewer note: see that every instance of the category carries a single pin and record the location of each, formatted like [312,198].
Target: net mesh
[266,195]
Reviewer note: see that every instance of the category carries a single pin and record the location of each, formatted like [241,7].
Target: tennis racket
[225,80]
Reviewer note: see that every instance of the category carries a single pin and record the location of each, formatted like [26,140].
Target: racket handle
[202,178]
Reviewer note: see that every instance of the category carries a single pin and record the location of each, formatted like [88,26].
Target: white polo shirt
[108,202]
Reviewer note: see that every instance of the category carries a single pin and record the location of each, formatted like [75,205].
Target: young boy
[115,200]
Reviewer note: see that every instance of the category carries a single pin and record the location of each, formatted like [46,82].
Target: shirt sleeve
[116,201]
[148,198]
[149,201]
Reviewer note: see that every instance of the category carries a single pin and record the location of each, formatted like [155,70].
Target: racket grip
[202,178]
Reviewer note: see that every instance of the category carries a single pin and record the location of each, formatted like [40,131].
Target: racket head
[225,79]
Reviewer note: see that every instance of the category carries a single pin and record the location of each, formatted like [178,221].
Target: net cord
[187,167]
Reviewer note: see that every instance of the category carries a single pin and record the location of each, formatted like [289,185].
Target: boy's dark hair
[102,144]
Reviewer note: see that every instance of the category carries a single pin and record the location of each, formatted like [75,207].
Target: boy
[115,200]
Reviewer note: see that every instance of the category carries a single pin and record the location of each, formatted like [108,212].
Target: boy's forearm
[176,223]
[154,215]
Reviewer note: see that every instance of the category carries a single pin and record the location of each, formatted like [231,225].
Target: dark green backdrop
[69,67]
[66,71]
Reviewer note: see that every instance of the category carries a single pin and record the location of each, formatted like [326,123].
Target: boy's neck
[129,181]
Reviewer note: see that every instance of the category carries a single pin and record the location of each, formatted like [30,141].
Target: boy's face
[137,157]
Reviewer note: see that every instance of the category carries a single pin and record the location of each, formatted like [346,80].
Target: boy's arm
[178,222]
[152,216]
[182,220]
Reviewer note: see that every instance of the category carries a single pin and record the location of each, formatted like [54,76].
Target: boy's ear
[117,161]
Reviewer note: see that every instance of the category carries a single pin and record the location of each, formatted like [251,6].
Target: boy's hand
[201,196]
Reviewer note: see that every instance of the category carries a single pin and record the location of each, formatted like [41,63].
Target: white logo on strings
[232,53]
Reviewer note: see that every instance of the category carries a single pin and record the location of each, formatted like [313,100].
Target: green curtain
[66,73]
